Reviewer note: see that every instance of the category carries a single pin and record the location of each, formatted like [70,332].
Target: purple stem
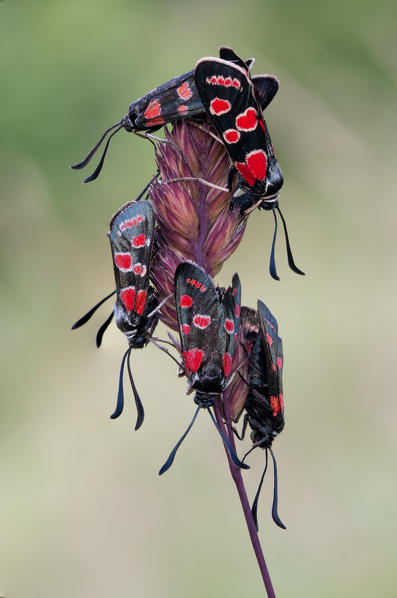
[238,480]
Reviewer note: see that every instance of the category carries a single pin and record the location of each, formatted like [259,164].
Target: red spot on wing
[231,136]
[219,106]
[269,338]
[127,297]
[185,301]
[123,261]
[194,359]
[201,321]
[247,120]
[130,223]
[281,400]
[183,109]
[228,81]
[155,121]
[153,110]
[262,124]
[193,282]
[229,326]
[140,302]
[227,363]
[139,241]
[245,172]
[198,285]
[203,288]
[274,368]
[234,292]
[279,363]
[237,311]
[139,269]
[236,83]
[185,329]
[275,405]
[257,163]
[213,80]
[184,91]
[221,80]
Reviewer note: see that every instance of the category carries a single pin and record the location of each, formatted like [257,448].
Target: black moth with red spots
[232,104]
[264,404]
[175,99]
[208,320]
[135,312]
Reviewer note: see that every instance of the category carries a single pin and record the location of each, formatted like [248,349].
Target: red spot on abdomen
[153,110]
[184,91]
[201,321]
[229,326]
[257,163]
[219,106]
[139,241]
[123,261]
[140,302]
[194,358]
[127,297]
[185,301]
[247,120]
[227,363]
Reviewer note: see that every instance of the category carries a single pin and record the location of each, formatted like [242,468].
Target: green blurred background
[82,510]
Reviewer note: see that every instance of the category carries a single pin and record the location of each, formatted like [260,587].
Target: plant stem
[238,480]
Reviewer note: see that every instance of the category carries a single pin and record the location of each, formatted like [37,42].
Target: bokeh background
[82,510]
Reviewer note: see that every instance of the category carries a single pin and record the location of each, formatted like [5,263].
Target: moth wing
[226,53]
[199,318]
[131,239]
[231,309]
[272,346]
[266,87]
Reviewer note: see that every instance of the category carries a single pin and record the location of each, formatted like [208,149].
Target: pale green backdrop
[83,513]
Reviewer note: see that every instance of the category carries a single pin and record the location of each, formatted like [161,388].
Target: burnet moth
[136,310]
[208,320]
[175,99]
[232,104]
[264,405]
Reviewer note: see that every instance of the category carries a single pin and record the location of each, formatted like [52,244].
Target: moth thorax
[127,123]
[204,399]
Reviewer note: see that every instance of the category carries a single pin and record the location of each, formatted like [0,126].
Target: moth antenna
[120,395]
[142,193]
[229,447]
[94,149]
[291,262]
[254,508]
[171,458]
[98,169]
[272,266]
[138,402]
[275,516]
[102,330]
[89,313]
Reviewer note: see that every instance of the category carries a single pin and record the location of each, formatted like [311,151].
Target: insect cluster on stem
[214,167]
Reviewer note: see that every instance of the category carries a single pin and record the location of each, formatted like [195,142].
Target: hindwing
[131,240]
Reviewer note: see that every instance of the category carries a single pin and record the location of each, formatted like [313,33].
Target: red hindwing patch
[201,321]
[127,297]
[153,110]
[219,106]
[185,301]
[245,172]
[140,302]
[139,241]
[194,359]
[231,136]
[184,91]
[247,120]
[229,326]
[123,261]
[227,363]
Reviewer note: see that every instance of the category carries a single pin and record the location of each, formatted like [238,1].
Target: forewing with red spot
[273,359]
[200,317]
[131,240]
[231,303]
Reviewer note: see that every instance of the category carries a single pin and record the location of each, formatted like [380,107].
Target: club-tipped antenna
[89,313]
[120,395]
[229,447]
[138,402]
[272,265]
[94,149]
[291,262]
[254,508]
[98,169]
[275,516]
[171,458]
[102,329]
